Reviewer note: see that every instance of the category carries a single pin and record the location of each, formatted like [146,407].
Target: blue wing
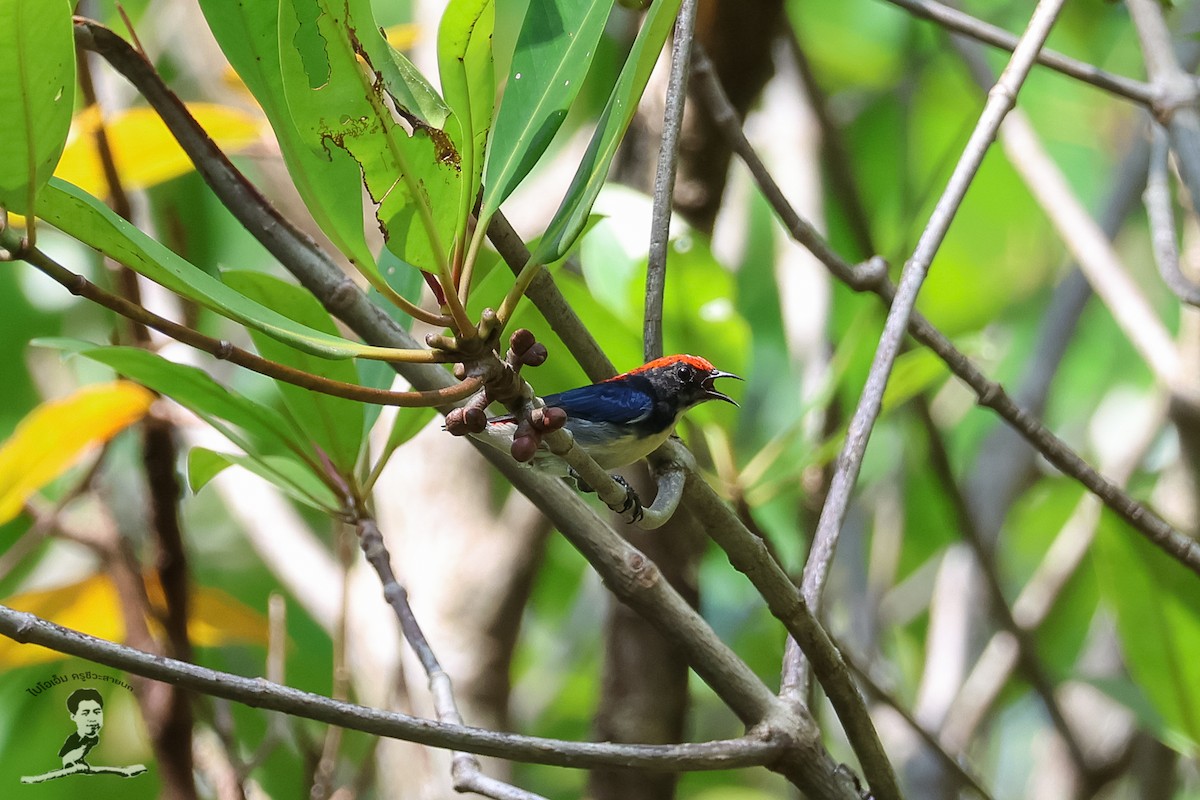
[604,402]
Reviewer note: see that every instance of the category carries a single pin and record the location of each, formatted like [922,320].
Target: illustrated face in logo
[89,718]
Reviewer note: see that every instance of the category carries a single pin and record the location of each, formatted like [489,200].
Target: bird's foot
[632,504]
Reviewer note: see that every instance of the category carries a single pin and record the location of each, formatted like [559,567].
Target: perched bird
[622,419]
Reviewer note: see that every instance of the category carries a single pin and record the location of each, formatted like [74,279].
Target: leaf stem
[78,285]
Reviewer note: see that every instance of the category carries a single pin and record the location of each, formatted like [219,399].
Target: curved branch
[79,285]
[747,751]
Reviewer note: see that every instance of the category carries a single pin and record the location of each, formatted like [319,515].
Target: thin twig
[464,766]
[1001,99]
[664,180]
[1175,90]
[260,693]
[872,276]
[1162,221]
[959,22]
[953,767]
[1027,655]
[1093,251]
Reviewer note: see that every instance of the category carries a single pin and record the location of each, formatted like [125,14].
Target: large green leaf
[37,95]
[555,49]
[1157,604]
[336,104]
[468,82]
[329,182]
[77,213]
[572,214]
[334,424]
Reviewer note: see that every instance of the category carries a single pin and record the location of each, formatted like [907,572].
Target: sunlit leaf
[328,181]
[555,49]
[144,151]
[37,92]
[52,437]
[469,86]
[573,212]
[87,219]
[338,105]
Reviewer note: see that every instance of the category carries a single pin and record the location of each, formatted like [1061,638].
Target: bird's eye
[685,371]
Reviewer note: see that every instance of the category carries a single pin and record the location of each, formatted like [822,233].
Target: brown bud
[524,447]
[522,339]
[455,422]
[474,419]
[535,356]
[550,419]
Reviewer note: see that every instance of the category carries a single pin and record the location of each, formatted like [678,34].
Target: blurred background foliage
[905,106]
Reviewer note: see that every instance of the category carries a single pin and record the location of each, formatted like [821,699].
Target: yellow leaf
[93,606]
[143,149]
[403,36]
[57,433]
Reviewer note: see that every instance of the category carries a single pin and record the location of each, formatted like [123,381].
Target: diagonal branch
[954,20]
[872,276]
[464,767]
[1001,100]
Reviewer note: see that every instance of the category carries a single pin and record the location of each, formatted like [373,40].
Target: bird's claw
[632,505]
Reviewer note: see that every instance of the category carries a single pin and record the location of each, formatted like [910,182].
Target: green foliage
[37,95]
[554,51]
[573,212]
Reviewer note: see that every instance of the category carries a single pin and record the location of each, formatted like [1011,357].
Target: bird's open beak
[712,392]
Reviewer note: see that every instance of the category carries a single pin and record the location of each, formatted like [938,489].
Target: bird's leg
[632,505]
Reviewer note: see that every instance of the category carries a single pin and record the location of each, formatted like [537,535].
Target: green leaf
[193,389]
[410,90]
[334,424]
[1157,605]
[572,214]
[77,213]
[37,93]
[555,49]
[329,182]
[336,104]
[915,372]
[290,476]
[468,81]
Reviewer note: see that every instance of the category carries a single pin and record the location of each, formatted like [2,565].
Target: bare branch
[954,20]
[872,275]
[259,693]
[1001,100]
[1162,222]
[464,766]
[664,179]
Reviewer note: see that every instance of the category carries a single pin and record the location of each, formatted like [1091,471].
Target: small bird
[623,419]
